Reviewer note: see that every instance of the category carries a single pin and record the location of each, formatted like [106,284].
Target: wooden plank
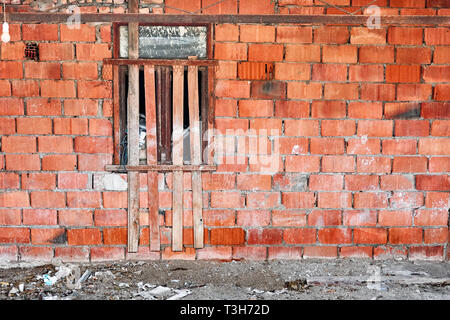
[199,19]
[177,155]
[152,156]
[204,101]
[116,113]
[157,62]
[211,114]
[196,155]
[133,132]
[160,168]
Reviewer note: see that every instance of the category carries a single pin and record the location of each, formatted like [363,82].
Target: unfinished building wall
[352,151]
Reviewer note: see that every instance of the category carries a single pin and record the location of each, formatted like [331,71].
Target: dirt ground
[237,280]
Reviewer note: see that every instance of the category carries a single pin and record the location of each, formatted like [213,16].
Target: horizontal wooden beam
[157,62]
[177,19]
[161,168]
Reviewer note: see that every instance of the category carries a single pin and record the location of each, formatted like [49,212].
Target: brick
[115,236]
[83,33]
[38,181]
[107,254]
[263,200]
[59,162]
[288,218]
[264,236]
[341,91]
[9,180]
[441,55]
[94,162]
[399,147]
[232,89]
[361,35]
[14,235]
[431,253]
[433,217]
[395,218]
[79,70]
[302,53]
[11,199]
[437,36]
[254,182]
[291,109]
[83,237]
[110,218]
[18,144]
[227,200]
[373,165]
[338,164]
[409,164]
[5,88]
[72,180]
[265,52]
[13,51]
[413,92]
[56,52]
[55,144]
[292,71]
[47,199]
[405,235]
[329,72]
[265,127]
[327,145]
[435,110]
[92,52]
[320,252]
[433,183]
[331,34]
[413,55]
[339,54]
[335,236]
[289,182]
[268,90]
[299,236]
[25,88]
[376,54]
[401,35]
[75,218]
[300,90]
[412,128]
[363,146]
[437,200]
[332,200]
[361,182]
[438,146]
[43,107]
[34,125]
[40,32]
[23,162]
[256,7]
[227,236]
[302,163]
[57,88]
[190,6]
[402,73]
[82,107]
[48,236]
[295,200]
[11,70]
[95,89]
[396,182]
[36,253]
[375,128]
[338,127]
[115,199]
[253,218]
[388,252]
[226,32]
[211,253]
[438,235]
[441,92]
[360,110]
[72,254]
[370,200]
[408,3]
[226,70]
[83,199]
[257,33]
[225,108]
[439,164]
[250,253]
[325,182]
[290,34]
[301,127]
[8,253]
[93,145]
[366,73]
[355,252]
[230,51]
[406,200]
[186,254]
[370,235]
[321,218]
[255,108]
[360,217]
[436,74]
[218,218]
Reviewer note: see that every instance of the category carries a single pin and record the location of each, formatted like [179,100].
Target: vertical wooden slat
[204,100]
[194,126]
[159,112]
[152,155]
[211,114]
[167,100]
[116,113]
[133,131]
[177,155]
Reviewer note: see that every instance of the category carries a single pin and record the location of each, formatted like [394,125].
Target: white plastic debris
[160,291]
[180,294]
[14,290]
[21,287]
[124,285]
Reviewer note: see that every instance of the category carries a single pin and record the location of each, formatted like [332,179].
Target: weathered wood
[167,113]
[116,113]
[177,156]
[152,156]
[196,155]
[211,114]
[160,168]
[195,19]
[133,132]
[157,62]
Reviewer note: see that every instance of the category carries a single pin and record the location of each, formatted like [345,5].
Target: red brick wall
[358,124]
